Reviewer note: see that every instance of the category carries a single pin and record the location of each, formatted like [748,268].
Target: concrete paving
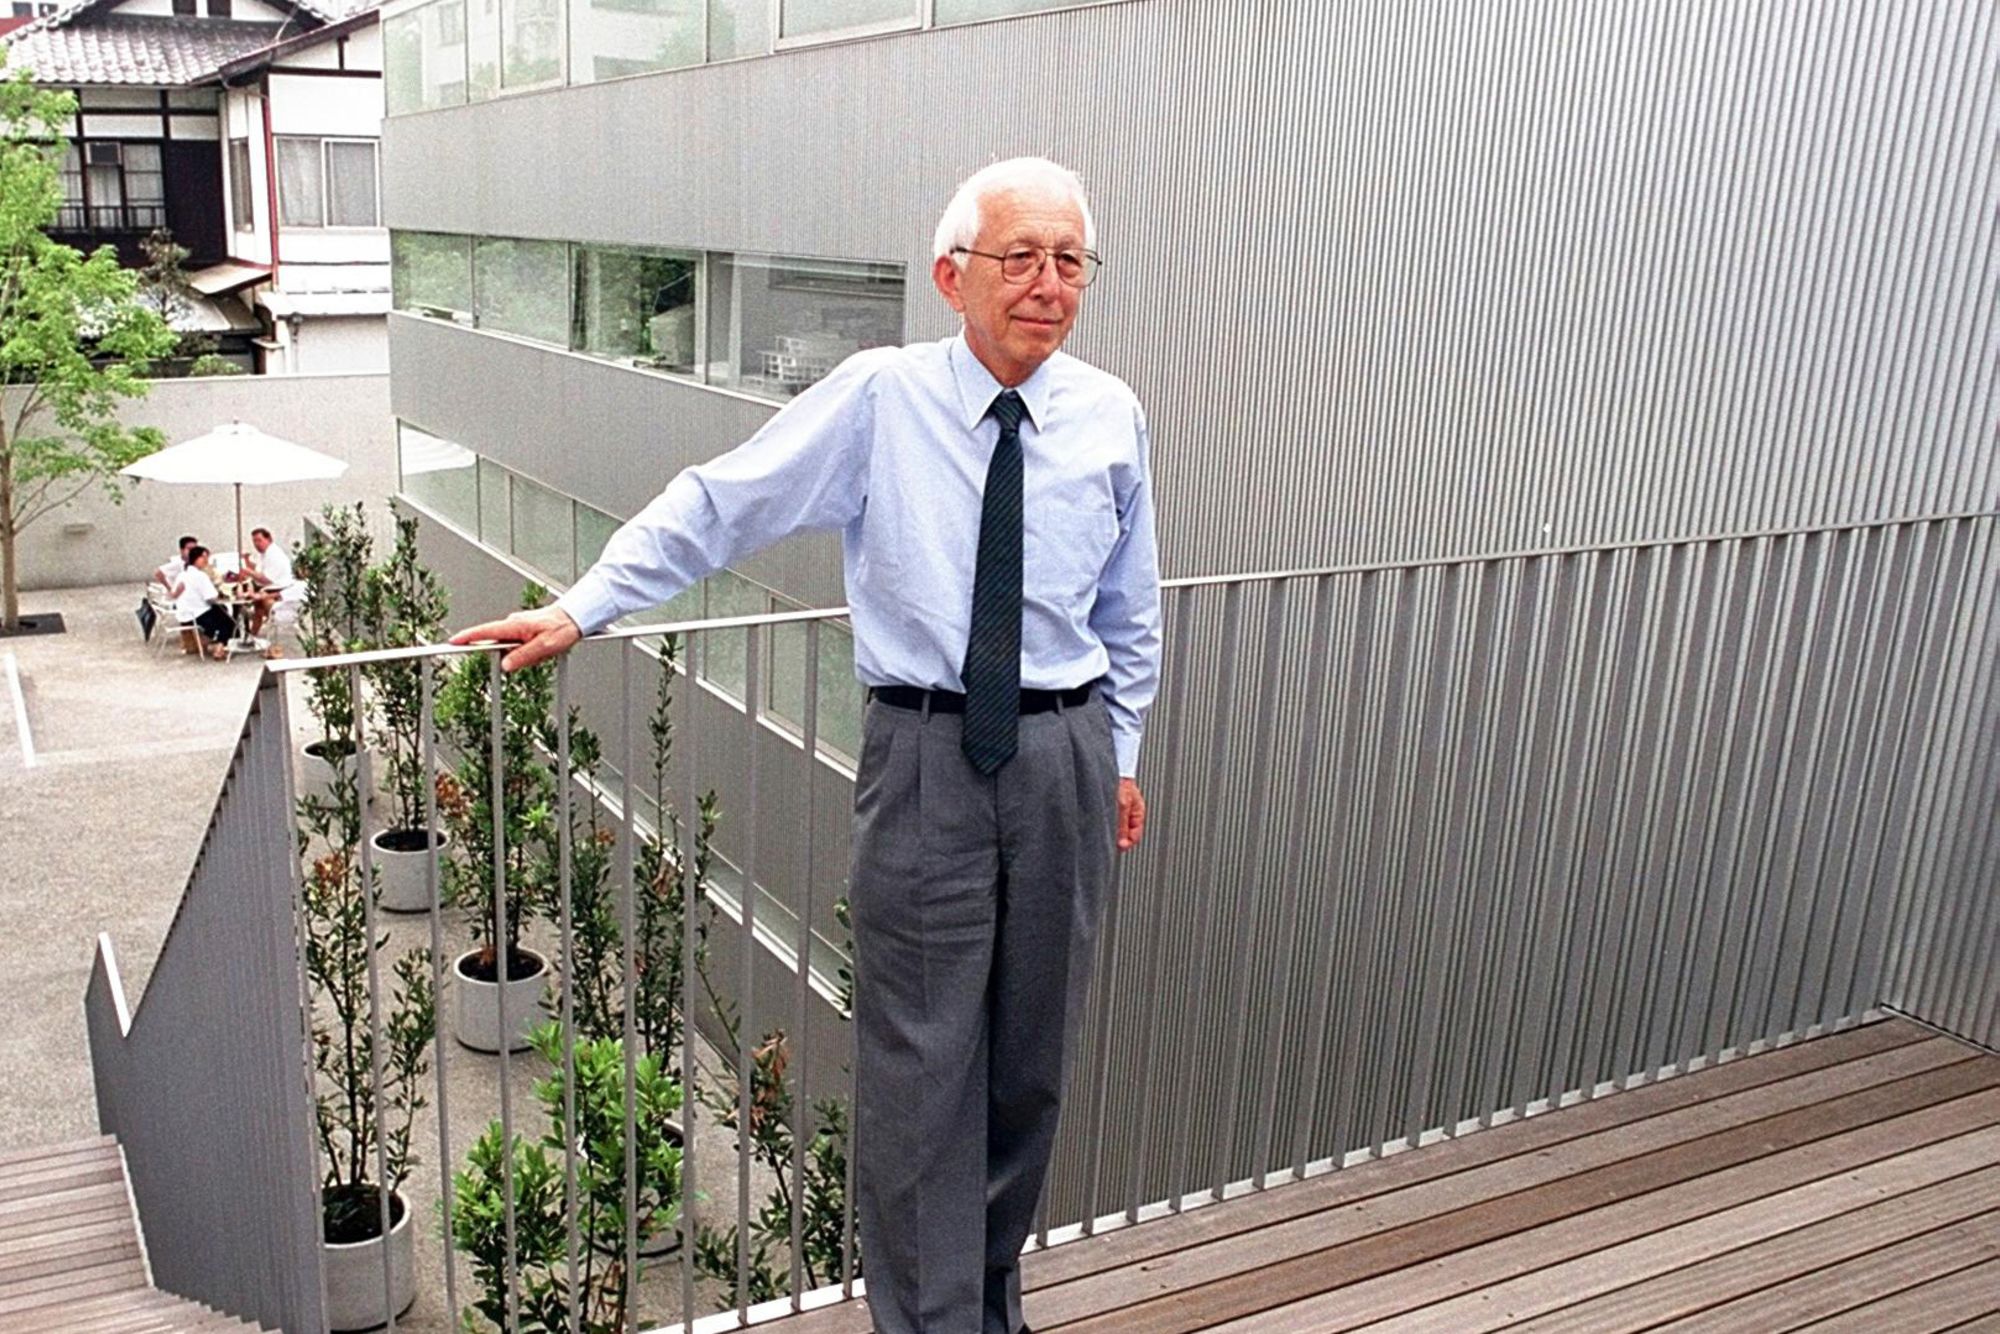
[101,815]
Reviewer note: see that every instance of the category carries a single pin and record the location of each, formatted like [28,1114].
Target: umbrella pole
[239,525]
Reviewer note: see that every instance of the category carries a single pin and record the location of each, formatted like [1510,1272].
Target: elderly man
[996,512]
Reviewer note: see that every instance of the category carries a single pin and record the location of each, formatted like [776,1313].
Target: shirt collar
[977,388]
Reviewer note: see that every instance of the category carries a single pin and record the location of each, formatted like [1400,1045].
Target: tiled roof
[141,49]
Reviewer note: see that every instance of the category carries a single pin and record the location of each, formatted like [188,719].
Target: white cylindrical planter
[354,1288]
[402,877]
[476,1007]
[316,772]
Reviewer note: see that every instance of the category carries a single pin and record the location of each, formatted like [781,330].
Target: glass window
[145,186]
[350,183]
[730,594]
[636,304]
[439,475]
[241,198]
[593,529]
[544,530]
[609,38]
[71,218]
[522,287]
[531,52]
[495,507]
[301,189]
[841,697]
[444,54]
[482,32]
[971,11]
[813,18]
[431,273]
[738,28]
[403,63]
[778,325]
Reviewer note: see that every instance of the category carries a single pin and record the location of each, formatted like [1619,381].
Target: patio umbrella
[236,455]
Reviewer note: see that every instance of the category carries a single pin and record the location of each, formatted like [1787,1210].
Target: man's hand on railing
[1131,814]
[542,634]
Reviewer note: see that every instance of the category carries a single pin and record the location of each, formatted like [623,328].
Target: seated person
[170,569]
[271,571]
[195,598]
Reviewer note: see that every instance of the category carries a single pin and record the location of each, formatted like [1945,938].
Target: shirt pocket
[1067,543]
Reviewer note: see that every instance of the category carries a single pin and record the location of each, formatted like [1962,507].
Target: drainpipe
[270,171]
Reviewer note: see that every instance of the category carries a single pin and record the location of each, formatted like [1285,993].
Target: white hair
[960,224]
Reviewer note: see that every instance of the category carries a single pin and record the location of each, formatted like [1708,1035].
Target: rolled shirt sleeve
[1126,616]
[805,469]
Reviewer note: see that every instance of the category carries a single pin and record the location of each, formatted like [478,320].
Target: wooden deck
[70,1254]
[1851,1182]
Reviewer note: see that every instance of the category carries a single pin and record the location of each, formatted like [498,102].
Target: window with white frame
[242,202]
[327,182]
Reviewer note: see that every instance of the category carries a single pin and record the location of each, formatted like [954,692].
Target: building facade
[1395,288]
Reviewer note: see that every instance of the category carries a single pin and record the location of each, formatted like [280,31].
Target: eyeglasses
[1022,264]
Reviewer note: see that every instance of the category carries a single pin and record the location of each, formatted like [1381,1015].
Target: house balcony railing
[75,218]
[1434,845]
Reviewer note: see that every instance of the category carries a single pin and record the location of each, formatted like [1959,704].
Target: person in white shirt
[195,598]
[271,571]
[169,573]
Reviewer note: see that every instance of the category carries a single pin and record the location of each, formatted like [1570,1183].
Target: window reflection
[779,325]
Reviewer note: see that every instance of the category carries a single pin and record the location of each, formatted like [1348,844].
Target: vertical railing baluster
[362,773]
[1291,891]
[497,721]
[1234,958]
[566,927]
[426,717]
[1177,607]
[691,894]
[746,1068]
[801,990]
[629,930]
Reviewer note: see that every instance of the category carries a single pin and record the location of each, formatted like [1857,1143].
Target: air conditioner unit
[104,154]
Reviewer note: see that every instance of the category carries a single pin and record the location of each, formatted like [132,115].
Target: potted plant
[466,803]
[356,1130]
[333,618]
[407,606]
[545,1299]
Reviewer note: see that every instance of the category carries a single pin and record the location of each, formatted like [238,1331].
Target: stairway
[71,1258]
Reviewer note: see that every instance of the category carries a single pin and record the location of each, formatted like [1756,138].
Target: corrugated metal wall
[1405,283]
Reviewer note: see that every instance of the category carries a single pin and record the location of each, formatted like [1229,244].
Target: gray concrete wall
[93,541]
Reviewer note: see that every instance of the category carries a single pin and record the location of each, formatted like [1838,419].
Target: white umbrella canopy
[239,455]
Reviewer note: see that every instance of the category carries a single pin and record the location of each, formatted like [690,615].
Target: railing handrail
[371,657]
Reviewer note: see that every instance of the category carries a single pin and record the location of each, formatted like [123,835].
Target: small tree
[407,605]
[339,615]
[75,339]
[164,286]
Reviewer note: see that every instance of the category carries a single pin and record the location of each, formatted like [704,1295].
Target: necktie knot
[1008,410]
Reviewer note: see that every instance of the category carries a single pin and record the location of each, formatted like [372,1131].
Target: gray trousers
[976,903]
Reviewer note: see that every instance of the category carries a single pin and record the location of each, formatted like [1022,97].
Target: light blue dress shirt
[892,449]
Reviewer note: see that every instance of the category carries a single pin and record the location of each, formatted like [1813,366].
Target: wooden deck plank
[34,1153]
[79,1157]
[1566,1261]
[1816,1249]
[1936,1305]
[1826,1293]
[1507,1304]
[49,1208]
[66,1259]
[1132,1244]
[66,1238]
[1197,1289]
[41,1185]
[118,1212]
[103,1305]
[60,1289]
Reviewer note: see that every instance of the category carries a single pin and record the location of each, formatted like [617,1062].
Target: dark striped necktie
[993,649]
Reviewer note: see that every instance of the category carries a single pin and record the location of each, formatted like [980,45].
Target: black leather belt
[950,701]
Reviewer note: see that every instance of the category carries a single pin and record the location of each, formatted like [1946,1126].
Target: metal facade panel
[1392,284]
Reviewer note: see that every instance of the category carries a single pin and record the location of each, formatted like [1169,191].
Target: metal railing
[1434,845]
[210,1067]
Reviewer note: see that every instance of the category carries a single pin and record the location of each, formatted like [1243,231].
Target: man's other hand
[1131,814]
[542,634]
